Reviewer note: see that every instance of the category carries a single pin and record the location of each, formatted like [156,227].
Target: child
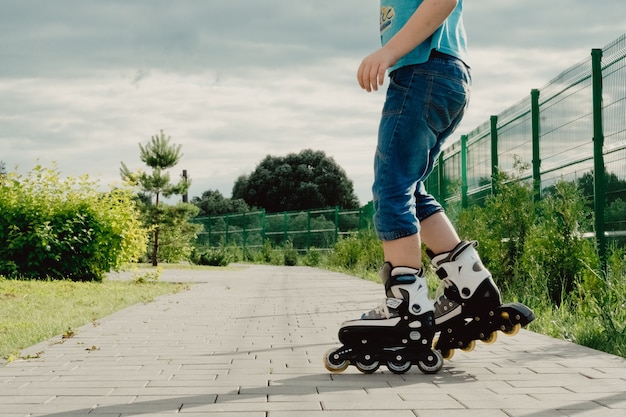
[424,50]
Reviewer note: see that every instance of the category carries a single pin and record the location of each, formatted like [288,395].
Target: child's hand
[371,73]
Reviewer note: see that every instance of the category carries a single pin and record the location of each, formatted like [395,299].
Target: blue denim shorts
[424,104]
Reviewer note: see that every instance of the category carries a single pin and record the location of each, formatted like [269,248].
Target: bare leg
[438,233]
[405,251]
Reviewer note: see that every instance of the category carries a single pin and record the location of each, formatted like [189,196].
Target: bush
[362,252]
[64,228]
[501,227]
[312,258]
[290,254]
[213,257]
[555,254]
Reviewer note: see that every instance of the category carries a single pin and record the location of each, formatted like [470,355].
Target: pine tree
[159,155]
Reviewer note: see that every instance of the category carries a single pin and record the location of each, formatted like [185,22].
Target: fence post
[263,225]
[441,181]
[244,234]
[598,157]
[209,231]
[285,225]
[336,224]
[308,230]
[494,154]
[535,113]
[227,235]
[464,187]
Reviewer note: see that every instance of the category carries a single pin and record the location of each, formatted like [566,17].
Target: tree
[213,203]
[159,155]
[301,181]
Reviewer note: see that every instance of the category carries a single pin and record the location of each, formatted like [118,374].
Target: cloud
[84,82]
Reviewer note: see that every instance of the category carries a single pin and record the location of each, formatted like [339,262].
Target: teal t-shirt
[449,38]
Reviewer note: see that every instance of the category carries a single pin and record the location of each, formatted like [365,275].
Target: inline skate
[398,333]
[468,305]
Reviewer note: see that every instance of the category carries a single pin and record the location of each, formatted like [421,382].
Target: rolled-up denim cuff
[427,212]
[396,234]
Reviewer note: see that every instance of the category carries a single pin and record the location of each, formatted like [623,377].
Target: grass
[34,311]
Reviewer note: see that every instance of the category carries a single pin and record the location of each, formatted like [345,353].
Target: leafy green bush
[64,228]
[312,258]
[555,254]
[177,234]
[213,257]
[361,252]
[290,254]
[501,227]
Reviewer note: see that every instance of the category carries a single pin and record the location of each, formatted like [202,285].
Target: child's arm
[426,19]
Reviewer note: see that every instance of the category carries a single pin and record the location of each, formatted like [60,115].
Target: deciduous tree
[306,180]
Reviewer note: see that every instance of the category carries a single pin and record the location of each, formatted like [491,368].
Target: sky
[84,82]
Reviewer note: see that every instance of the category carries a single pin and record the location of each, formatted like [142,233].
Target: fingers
[370,76]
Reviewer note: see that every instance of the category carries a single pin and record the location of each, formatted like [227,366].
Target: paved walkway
[248,342]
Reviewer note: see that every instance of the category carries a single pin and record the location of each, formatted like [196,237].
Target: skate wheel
[367,367]
[334,365]
[435,342]
[447,354]
[399,367]
[470,346]
[432,364]
[514,330]
[490,339]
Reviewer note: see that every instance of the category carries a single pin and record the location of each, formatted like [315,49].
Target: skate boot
[468,305]
[398,333]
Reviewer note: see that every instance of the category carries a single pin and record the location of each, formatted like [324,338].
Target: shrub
[362,251]
[555,254]
[290,254]
[501,227]
[214,257]
[64,228]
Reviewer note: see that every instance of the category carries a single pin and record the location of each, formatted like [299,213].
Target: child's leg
[438,233]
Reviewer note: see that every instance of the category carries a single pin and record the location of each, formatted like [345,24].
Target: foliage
[213,203]
[501,226]
[290,254]
[555,252]
[359,252]
[160,155]
[177,233]
[64,228]
[213,257]
[301,181]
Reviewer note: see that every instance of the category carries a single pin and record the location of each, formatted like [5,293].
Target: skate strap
[451,256]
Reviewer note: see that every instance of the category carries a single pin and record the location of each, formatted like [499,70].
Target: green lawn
[33,311]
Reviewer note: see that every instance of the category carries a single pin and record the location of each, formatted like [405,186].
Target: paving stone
[248,342]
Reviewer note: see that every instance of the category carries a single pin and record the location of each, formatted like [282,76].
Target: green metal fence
[572,129]
[306,230]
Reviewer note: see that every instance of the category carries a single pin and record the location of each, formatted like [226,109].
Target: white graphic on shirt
[387,13]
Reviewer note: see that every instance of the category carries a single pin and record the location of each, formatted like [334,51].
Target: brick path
[248,342]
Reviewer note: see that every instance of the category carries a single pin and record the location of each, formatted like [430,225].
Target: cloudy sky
[83,82]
